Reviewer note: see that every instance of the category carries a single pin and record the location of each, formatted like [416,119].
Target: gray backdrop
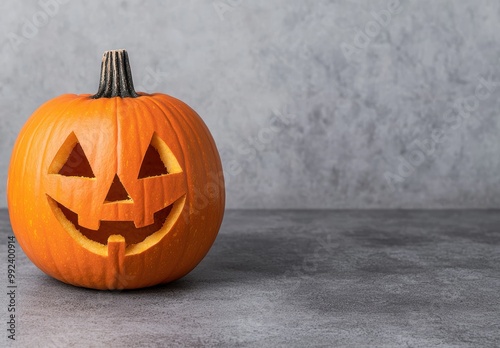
[313,104]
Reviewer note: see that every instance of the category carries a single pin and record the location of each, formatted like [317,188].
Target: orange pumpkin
[117,190]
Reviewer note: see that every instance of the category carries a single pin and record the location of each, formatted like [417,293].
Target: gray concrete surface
[347,122]
[293,279]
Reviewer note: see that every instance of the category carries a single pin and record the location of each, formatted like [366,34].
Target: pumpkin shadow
[236,259]
[247,256]
[250,250]
[250,258]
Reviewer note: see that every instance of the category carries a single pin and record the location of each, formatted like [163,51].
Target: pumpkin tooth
[116,258]
[86,220]
[146,220]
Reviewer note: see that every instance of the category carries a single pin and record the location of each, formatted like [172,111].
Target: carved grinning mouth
[127,229]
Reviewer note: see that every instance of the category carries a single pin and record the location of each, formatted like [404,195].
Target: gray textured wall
[313,104]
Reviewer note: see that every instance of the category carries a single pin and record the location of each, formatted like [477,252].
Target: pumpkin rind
[115,134]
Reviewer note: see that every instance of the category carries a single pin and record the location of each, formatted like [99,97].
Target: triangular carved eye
[152,165]
[77,164]
[158,160]
[73,164]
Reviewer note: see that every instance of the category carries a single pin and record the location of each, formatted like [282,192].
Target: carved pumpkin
[117,190]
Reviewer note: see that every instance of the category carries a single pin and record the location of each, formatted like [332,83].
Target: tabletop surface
[291,278]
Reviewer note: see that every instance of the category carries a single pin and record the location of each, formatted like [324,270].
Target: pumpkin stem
[116,77]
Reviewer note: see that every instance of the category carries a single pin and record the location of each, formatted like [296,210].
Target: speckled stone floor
[293,279]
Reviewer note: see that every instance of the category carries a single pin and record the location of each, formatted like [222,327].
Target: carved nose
[117,192]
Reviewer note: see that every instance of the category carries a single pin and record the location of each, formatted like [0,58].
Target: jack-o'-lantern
[117,190]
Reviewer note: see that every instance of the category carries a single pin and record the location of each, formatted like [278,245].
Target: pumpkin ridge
[51,106]
[196,122]
[205,131]
[167,116]
[166,110]
[181,117]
